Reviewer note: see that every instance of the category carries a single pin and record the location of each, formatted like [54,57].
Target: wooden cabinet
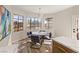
[58,48]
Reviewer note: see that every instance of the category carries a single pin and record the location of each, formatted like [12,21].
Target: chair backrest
[50,34]
[35,39]
[29,34]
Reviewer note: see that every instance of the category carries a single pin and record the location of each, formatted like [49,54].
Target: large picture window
[38,23]
[34,22]
[18,22]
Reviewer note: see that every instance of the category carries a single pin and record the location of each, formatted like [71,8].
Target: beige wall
[63,21]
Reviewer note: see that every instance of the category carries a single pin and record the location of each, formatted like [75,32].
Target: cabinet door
[58,48]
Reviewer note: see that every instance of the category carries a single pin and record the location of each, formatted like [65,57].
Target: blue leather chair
[35,39]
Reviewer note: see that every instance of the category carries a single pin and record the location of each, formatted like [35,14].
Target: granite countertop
[68,42]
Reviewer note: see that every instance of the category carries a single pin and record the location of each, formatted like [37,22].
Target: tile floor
[25,47]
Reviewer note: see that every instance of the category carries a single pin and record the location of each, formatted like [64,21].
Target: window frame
[17,25]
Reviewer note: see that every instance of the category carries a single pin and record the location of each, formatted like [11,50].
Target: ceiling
[44,9]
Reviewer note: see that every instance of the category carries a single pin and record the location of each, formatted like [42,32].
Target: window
[34,22]
[38,23]
[18,22]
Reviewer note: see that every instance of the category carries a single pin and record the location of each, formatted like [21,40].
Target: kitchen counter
[68,42]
